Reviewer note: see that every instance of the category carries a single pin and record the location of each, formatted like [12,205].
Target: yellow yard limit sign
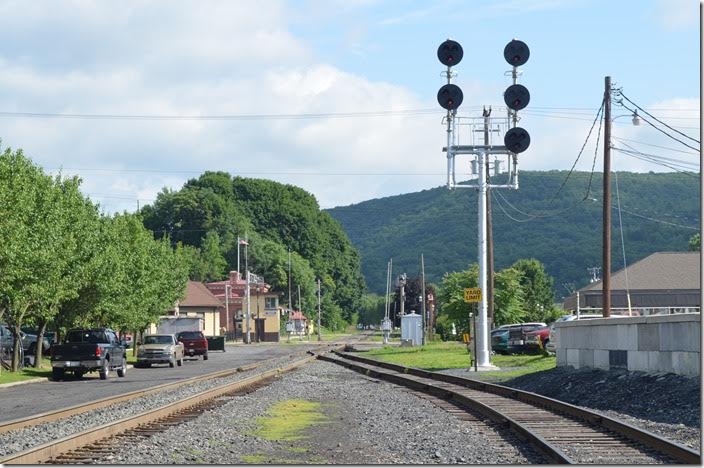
[472,294]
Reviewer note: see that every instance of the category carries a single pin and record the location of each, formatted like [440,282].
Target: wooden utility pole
[606,240]
[422,279]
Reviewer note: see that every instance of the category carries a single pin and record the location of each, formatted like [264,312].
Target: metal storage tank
[412,329]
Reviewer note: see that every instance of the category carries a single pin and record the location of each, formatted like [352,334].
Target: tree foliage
[62,264]
[443,225]
[275,218]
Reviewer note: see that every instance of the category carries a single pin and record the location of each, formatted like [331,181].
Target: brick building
[264,311]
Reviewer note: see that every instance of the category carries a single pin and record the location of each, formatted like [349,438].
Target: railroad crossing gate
[472,295]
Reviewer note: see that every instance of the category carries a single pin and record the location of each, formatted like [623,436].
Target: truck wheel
[105,370]
[57,373]
[122,370]
[172,361]
[205,357]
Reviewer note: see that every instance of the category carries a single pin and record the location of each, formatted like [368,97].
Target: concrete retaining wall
[656,343]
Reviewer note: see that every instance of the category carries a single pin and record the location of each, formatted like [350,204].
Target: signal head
[516,97]
[516,53]
[517,140]
[450,97]
[450,53]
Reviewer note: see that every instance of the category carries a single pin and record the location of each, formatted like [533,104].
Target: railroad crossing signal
[472,295]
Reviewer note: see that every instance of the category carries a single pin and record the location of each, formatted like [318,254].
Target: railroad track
[560,432]
[88,445]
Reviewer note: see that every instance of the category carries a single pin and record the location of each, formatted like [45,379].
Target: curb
[22,382]
[37,380]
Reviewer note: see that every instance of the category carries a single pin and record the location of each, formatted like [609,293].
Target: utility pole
[248,309]
[606,239]
[290,304]
[386,323]
[227,308]
[490,237]
[422,278]
[402,283]
[319,338]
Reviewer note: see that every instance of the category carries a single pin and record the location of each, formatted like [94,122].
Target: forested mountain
[209,213]
[561,227]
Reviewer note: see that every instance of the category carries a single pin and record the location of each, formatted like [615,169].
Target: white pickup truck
[159,349]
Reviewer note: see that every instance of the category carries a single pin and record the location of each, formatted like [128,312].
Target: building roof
[197,295]
[298,315]
[663,279]
[661,270]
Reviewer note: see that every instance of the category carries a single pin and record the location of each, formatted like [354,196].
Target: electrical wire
[660,129]
[620,92]
[654,146]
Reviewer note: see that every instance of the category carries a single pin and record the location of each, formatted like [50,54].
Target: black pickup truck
[88,350]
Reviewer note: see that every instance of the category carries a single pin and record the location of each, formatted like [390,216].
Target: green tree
[695,243]
[536,286]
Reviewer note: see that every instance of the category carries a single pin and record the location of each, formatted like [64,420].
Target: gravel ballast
[19,440]
[668,405]
[366,422]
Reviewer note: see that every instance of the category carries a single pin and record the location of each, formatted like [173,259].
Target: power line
[620,92]
[654,146]
[660,129]
[325,115]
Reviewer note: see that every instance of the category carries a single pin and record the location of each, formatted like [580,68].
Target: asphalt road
[21,401]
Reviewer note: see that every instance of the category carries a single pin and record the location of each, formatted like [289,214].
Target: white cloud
[676,14]
[223,58]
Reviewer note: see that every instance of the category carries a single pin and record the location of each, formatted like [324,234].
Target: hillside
[660,212]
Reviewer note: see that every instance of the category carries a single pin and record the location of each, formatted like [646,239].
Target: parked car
[553,337]
[29,342]
[159,349]
[194,343]
[517,336]
[7,345]
[499,340]
[89,350]
[536,340]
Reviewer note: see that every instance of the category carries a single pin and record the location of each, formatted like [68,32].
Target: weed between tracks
[287,419]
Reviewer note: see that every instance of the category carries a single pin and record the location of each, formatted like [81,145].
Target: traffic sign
[472,294]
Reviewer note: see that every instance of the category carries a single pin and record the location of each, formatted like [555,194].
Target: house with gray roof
[662,283]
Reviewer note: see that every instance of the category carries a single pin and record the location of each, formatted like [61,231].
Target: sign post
[473,296]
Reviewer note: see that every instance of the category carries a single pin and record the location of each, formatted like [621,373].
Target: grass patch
[526,364]
[253,459]
[432,356]
[287,419]
[26,373]
[452,355]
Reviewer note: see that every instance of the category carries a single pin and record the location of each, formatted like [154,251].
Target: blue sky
[240,58]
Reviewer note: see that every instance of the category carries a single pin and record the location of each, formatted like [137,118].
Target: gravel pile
[365,422]
[17,441]
[668,405]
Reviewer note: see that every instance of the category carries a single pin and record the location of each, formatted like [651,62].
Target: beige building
[200,303]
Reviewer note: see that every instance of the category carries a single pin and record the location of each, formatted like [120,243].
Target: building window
[270,302]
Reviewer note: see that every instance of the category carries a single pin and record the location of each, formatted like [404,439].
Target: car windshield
[86,336]
[165,339]
[194,335]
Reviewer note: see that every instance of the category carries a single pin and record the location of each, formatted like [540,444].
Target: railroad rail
[562,433]
[42,418]
[93,443]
